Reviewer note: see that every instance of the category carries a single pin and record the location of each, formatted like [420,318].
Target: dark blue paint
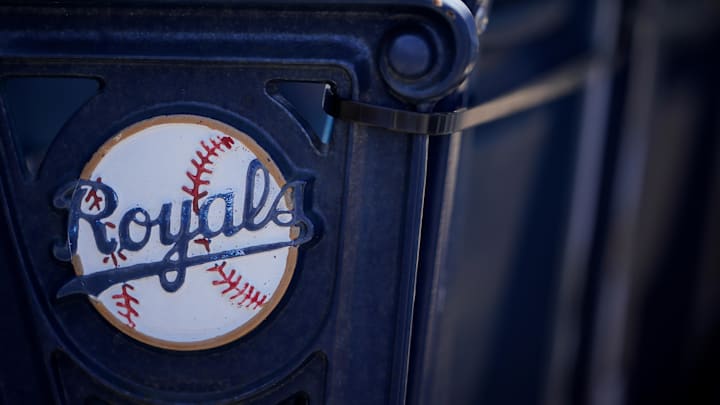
[409,55]
[341,333]
[32,97]
[70,198]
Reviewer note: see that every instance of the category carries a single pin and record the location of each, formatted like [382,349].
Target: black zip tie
[559,83]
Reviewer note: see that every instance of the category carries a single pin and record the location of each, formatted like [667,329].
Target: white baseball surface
[148,169]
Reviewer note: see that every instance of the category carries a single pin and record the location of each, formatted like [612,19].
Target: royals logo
[182,232]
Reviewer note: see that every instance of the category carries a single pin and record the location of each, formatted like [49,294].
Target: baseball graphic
[182,232]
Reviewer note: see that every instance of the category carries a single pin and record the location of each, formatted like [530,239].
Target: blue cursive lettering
[175,260]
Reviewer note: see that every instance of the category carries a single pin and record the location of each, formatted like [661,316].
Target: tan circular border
[260,153]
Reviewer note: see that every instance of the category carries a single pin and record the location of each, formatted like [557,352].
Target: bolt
[409,55]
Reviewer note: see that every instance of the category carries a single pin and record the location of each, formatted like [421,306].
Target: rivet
[409,55]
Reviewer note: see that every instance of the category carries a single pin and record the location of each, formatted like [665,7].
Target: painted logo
[182,232]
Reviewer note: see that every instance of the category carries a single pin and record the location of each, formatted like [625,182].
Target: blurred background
[583,249]
[581,259]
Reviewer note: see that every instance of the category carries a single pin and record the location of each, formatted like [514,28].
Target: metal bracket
[558,83]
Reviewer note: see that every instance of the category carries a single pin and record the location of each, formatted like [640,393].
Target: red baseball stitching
[126,299]
[205,242]
[92,195]
[248,292]
[126,302]
[113,254]
[201,167]
[114,258]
